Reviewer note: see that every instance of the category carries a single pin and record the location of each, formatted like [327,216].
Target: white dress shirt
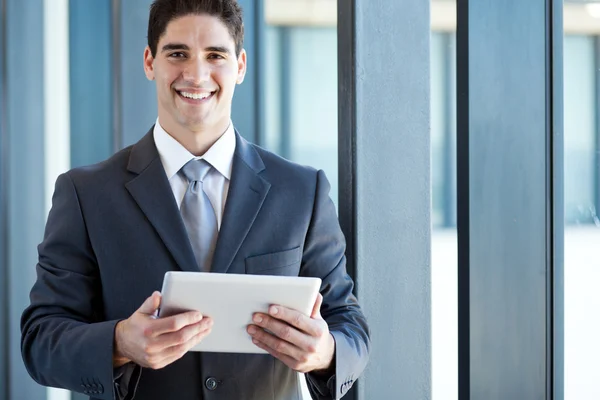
[216,183]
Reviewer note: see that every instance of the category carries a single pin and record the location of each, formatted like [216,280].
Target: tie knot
[195,170]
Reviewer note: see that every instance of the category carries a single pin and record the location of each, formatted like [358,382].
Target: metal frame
[597,131]
[463,200]
[556,214]
[4,305]
[346,52]
[384,186]
[346,29]
[521,149]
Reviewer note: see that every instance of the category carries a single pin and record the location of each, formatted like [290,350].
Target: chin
[194,124]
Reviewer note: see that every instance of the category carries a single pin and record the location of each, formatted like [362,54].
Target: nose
[197,71]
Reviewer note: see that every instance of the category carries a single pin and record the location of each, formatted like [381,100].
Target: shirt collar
[174,156]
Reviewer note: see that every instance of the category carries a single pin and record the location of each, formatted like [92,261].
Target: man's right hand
[157,342]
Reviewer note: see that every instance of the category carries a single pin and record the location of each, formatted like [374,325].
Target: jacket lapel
[247,192]
[153,194]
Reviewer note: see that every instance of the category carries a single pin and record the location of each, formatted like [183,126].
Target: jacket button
[211,383]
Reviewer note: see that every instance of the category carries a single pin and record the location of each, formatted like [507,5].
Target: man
[190,195]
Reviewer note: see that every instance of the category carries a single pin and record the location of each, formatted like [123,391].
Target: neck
[198,140]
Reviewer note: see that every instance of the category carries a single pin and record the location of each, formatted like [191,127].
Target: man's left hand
[300,342]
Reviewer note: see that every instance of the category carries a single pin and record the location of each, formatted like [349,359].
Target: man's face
[196,70]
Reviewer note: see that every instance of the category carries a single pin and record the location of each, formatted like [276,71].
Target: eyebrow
[174,46]
[181,46]
[218,49]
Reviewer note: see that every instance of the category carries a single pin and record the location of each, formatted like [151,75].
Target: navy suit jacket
[115,229]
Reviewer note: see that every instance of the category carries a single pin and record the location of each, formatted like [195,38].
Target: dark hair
[164,11]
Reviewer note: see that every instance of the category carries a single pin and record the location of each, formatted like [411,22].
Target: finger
[275,343]
[174,353]
[297,319]
[287,360]
[151,304]
[183,348]
[175,323]
[316,312]
[285,331]
[185,334]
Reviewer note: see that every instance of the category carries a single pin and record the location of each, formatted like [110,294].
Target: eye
[215,56]
[177,54]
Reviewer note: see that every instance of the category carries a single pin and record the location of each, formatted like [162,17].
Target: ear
[241,67]
[148,64]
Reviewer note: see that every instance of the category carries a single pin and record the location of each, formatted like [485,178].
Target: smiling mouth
[195,97]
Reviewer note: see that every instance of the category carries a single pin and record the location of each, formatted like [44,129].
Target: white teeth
[195,96]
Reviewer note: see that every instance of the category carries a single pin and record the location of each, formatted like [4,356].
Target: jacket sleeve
[65,341]
[324,258]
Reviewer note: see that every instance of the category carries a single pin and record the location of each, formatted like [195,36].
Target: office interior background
[74,92]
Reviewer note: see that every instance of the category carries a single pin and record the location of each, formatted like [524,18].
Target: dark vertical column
[249,99]
[463,226]
[509,197]
[91,81]
[384,178]
[347,128]
[24,124]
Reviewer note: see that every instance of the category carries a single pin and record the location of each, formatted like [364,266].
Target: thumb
[151,304]
[316,312]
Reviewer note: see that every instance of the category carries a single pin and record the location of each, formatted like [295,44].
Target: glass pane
[313,122]
[579,113]
[444,257]
[301,55]
[582,226]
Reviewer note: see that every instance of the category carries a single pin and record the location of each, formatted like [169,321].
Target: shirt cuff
[322,385]
[125,379]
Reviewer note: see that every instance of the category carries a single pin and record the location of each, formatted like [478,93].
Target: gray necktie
[198,214]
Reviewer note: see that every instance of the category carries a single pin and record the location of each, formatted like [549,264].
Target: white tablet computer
[231,300]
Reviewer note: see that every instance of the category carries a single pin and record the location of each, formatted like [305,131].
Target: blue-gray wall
[24,123]
[91,58]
